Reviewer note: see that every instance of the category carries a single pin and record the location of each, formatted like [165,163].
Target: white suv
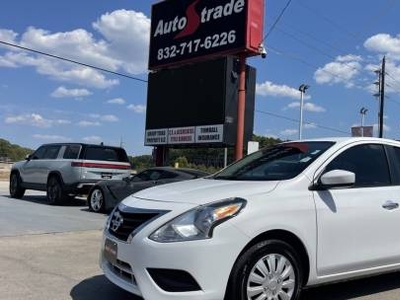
[64,170]
[295,215]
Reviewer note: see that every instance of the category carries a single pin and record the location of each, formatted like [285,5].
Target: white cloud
[46,137]
[127,33]
[384,43]
[33,119]
[109,118]
[92,139]
[342,70]
[104,118]
[116,101]
[88,123]
[62,92]
[7,35]
[137,108]
[122,45]
[308,106]
[289,132]
[271,89]
[309,126]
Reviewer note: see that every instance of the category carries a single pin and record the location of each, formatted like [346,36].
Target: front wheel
[268,270]
[16,191]
[96,200]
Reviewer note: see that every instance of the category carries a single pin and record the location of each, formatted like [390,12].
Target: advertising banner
[188,30]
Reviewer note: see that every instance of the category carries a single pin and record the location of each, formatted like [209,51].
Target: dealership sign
[206,134]
[187,30]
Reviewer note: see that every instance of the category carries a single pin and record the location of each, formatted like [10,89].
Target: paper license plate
[106,175]
[110,251]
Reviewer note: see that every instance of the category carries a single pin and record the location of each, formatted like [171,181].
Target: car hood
[202,191]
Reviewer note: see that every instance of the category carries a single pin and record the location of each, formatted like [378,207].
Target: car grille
[127,220]
[123,270]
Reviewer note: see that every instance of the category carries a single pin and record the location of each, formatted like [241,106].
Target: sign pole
[241,107]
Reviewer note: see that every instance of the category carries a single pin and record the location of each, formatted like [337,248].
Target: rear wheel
[268,270]
[54,191]
[96,200]
[16,191]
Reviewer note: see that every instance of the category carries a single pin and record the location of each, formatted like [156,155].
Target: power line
[277,20]
[297,121]
[70,60]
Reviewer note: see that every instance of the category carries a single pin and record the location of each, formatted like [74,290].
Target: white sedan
[294,215]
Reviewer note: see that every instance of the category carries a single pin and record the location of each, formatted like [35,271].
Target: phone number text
[213,41]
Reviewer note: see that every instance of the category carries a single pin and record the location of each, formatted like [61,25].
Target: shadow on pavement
[99,288]
[355,288]
[41,199]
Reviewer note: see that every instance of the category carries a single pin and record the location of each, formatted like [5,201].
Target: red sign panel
[188,30]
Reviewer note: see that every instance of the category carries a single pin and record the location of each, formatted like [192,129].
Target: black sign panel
[197,103]
[184,30]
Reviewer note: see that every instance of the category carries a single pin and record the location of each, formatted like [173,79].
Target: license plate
[110,251]
[106,176]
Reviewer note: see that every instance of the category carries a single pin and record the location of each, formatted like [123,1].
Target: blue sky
[333,46]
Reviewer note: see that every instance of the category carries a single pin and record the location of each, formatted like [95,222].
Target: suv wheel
[54,191]
[96,200]
[268,270]
[16,191]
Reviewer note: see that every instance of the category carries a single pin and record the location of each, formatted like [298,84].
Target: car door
[29,171]
[358,226]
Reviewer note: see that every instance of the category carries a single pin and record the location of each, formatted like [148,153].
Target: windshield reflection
[279,162]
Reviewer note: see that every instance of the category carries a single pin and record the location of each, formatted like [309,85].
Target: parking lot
[51,252]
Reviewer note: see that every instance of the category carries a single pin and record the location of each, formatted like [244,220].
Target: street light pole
[302,90]
[363,112]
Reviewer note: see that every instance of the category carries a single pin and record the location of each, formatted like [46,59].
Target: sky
[335,47]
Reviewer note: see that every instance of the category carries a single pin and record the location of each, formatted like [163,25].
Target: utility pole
[381,95]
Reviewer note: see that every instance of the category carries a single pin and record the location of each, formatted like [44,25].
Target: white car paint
[346,232]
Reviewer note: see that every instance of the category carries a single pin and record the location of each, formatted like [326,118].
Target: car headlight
[198,223]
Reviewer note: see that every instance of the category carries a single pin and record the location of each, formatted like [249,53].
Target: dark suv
[65,170]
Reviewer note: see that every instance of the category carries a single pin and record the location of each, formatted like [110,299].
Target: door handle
[390,205]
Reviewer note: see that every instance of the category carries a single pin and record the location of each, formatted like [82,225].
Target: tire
[54,191]
[96,201]
[268,270]
[16,191]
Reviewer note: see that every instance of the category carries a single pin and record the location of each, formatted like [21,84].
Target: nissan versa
[294,215]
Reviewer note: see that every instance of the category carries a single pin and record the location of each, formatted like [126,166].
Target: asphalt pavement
[51,252]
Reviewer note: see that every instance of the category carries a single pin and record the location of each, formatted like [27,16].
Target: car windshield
[279,162]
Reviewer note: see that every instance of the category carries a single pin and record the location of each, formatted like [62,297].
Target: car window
[106,153]
[280,162]
[39,153]
[367,161]
[51,152]
[167,175]
[71,151]
[395,163]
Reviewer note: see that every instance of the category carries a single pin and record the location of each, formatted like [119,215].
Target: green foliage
[182,162]
[265,141]
[141,162]
[12,152]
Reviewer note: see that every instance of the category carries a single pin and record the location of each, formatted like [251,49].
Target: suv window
[72,151]
[51,151]
[105,153]
[367,161]
[39,153]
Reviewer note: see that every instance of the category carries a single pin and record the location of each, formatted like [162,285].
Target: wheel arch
[291,239]
[57,174]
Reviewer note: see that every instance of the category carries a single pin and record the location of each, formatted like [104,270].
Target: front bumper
[208,262]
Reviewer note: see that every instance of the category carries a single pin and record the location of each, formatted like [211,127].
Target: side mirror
[28,157]
[335,178]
